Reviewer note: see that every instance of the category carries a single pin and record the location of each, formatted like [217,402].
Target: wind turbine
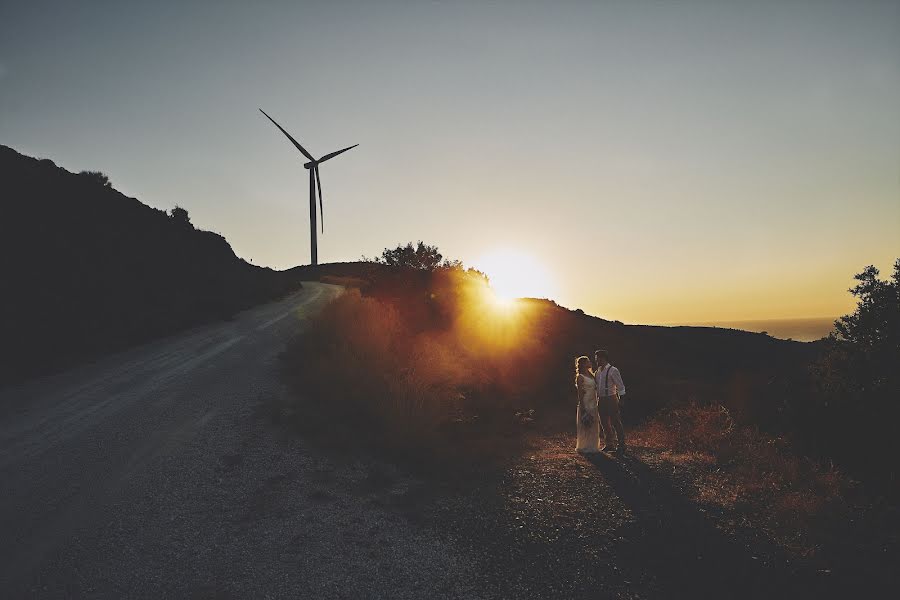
[315,181]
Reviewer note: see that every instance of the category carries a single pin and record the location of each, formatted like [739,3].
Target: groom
[610,388]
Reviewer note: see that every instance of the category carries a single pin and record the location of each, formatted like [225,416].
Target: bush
[361,367]
[421,257]
[412,368]
[737,468]
[97,177]
[181,217]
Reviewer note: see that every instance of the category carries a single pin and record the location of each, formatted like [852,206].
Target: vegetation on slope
[421,360]
[425,347]
[87,270]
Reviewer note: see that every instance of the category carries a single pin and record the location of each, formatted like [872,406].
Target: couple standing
[599,394]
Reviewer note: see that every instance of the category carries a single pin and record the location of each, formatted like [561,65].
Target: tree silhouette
[857,376]
[421,257]
[864,351]
[180,216]
[874,328]
[97,176]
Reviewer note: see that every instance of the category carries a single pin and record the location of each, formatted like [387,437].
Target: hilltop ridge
[87,270]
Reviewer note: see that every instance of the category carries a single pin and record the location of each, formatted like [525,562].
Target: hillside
[87,270]
[732,485]
[754,374]
[441,354]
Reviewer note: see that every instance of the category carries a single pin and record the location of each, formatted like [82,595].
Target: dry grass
[757,478]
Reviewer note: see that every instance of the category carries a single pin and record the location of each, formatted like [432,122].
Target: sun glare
[503,303]
[516,274]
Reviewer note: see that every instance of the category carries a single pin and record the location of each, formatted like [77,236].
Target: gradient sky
[663,161]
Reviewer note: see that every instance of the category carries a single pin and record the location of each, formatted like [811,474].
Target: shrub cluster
[738,468]
[415,364]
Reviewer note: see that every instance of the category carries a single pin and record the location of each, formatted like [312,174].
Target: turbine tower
[315,182]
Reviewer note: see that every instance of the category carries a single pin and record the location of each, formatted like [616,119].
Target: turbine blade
[293,141]
[321,210]
[333,154]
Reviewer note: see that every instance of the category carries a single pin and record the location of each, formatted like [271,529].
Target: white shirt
[609,381]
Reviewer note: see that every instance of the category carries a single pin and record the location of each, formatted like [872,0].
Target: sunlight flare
[515,274]
[499,302]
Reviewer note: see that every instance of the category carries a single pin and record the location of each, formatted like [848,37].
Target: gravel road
[155,473]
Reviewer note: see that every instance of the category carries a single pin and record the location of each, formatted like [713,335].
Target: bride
[587,418]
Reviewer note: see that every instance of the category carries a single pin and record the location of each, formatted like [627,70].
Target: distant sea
[802,330]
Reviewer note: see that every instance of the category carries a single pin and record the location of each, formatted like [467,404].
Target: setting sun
[515,274]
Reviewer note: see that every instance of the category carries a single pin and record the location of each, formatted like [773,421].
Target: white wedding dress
[588,438]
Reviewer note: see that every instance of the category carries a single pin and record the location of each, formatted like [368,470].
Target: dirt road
[154,473]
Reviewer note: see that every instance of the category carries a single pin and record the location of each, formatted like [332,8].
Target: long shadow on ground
[559,525]
[670,536]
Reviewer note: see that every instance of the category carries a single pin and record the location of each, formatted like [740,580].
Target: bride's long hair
[583,367]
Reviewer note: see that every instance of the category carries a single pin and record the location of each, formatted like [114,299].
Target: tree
[180,217]
[421,257]
[868,340]
[98,177]
[858,377]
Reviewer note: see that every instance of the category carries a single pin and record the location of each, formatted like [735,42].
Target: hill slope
[535,346]
[87,270]
[723,492]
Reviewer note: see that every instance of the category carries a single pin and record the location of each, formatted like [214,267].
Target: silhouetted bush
[181,218]
[421,256]
[97,177]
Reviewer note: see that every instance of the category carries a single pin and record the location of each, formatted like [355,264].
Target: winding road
[156,473]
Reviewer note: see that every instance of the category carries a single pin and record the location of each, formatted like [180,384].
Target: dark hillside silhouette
[87,270]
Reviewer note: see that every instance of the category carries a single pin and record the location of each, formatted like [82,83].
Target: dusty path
[154,473]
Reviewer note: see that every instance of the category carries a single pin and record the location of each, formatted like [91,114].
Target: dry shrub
[740,469]
[344,362]
[426,390]
[691,432]
[362,374]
